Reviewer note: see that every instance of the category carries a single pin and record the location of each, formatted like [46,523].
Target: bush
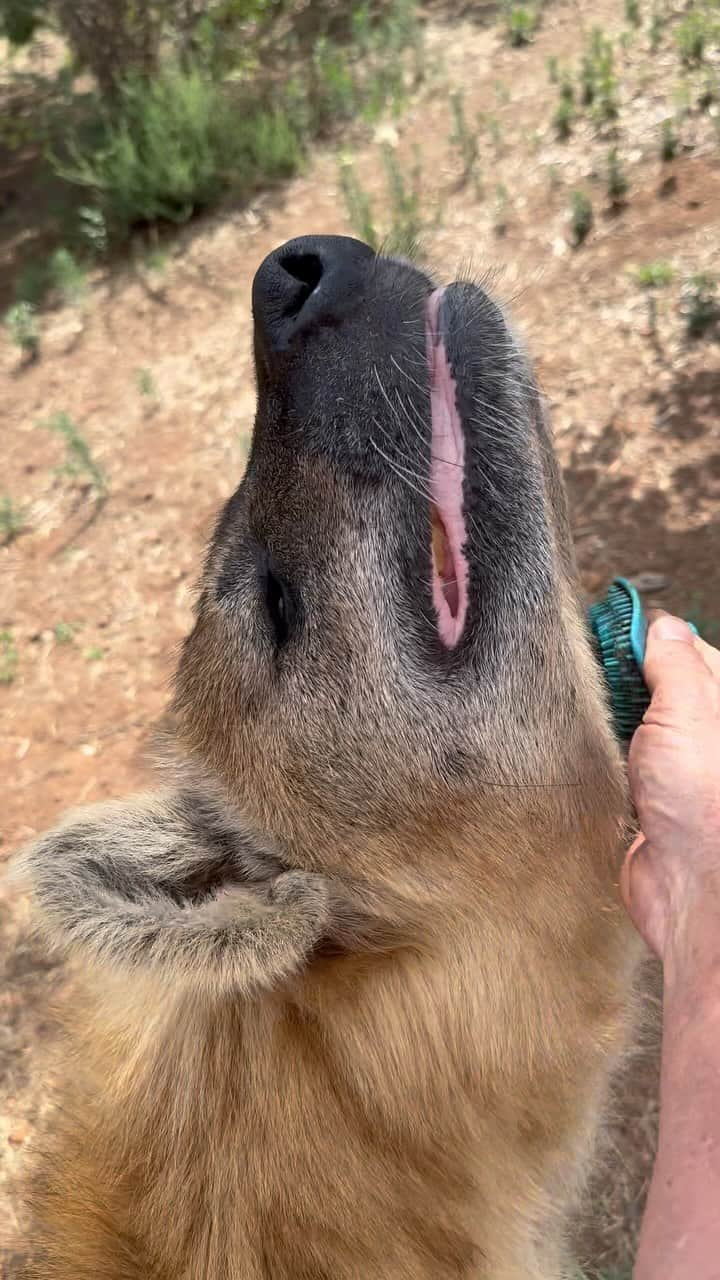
[521,23]
[358,205]
[598,81]
[581,217]
[172,147]
[564,116]
[668,141]
[22,326]
[655,275]
[19,19]
[691,36]
[617,183]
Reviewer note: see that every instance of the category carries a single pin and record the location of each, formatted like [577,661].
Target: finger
[674,667]
[709,655]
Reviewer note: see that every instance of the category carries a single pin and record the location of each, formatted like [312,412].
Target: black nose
[307,283]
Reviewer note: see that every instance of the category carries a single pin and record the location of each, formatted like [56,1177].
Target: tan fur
[353,1048]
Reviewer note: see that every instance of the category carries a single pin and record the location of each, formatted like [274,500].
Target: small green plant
[692,36]
[598,82]
[404,202]
[617,183]
[581,217]
[333,93]
[655,275]
[501,210]
[669,141]
[146,383]
[8,658]
[553,69]
[564,117]
[464,140]
[65,632]
[655,29]
[156,259]
[632,13]
[651,277]
[79,461]
[700,304]
[94,653]
[13,520]
[66,276]
[23,329]
[358,204]
[521,22]
[171,146]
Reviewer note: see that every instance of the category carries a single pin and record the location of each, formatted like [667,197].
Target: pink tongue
[450,582]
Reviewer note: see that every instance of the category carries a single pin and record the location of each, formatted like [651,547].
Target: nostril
[307,269]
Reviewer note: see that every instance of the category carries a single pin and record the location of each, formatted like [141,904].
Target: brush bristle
[611,622]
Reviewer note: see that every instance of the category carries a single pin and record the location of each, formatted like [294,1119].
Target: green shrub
[655,29]
[79,461]
[64,632]
[692,36]
[13,520]
[66,276]
[19,20]
[617,183]
[632,12]
[358,205]
[333,93]
[563,119]
[655,275]
[146,383]
[404,203]
[598,82]
[669,141]
[564,116]
[8,658]
[172,147]
[464,140]
[22,326]
[521,21]
[581,217]
[652,276]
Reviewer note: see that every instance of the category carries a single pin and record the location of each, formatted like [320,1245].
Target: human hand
[671,877]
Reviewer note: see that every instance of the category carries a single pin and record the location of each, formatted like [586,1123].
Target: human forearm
[680,1238]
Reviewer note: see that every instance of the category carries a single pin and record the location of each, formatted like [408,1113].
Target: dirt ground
[154,366]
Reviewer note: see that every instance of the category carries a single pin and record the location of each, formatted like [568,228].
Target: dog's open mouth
[449,564]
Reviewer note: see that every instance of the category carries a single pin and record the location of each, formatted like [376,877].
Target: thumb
[674,668]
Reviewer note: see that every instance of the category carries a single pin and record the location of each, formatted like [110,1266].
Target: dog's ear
[173,883]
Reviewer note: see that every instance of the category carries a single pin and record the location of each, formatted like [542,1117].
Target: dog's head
[388,633]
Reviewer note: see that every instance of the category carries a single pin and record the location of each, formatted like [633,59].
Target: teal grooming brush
[619,629]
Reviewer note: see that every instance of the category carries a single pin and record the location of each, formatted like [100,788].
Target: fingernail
[666,627]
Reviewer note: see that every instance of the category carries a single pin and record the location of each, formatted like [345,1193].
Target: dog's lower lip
[449,564]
